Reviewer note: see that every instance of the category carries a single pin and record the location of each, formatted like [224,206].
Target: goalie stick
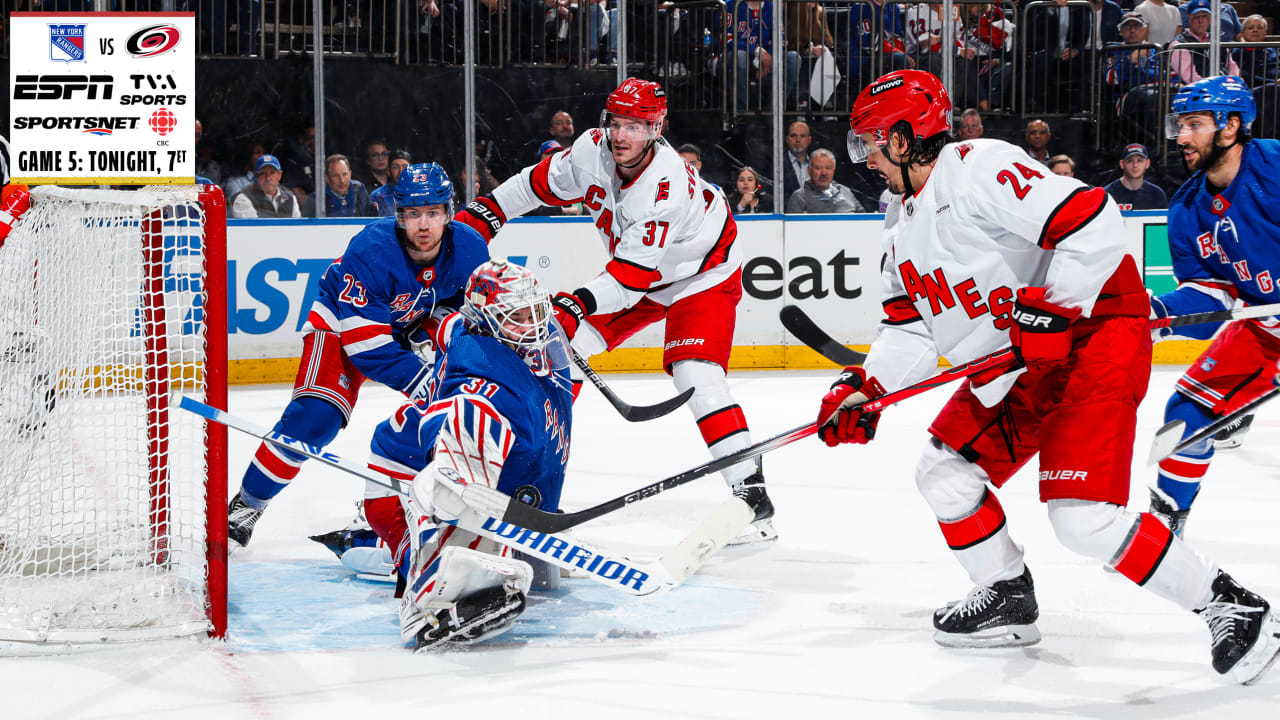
[1168,440]
[807,331]
[500,505]
[619,572]
[632,413]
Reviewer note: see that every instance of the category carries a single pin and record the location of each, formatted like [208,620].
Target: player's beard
[1207,162]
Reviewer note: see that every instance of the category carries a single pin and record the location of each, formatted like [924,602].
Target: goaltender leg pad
[1236,368]
[465,596]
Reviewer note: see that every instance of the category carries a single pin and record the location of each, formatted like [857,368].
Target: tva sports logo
[153,40]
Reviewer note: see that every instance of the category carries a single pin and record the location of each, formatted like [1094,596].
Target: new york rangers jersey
[1224,244]
[989,221]
[521,422]
[374,291]
[668,233]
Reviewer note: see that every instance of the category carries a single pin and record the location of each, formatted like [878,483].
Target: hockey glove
[840,419]
[571,311]
[1041,332]
[483,215]
[15,203]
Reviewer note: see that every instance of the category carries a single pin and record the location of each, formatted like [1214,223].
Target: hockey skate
[1246,636]
[473,618]
[761,528]
[1164,508]
[1002,614]
[360,550]
[1232,436]
[241,518]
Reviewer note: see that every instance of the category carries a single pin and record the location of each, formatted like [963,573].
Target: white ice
[831,621]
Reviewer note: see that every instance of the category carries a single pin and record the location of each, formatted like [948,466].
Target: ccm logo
[1067,475]
[683,342]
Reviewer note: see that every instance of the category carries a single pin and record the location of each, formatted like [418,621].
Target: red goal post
[112,501]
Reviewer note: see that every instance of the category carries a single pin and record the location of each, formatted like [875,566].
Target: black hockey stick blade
[807,331]
[631,413]
[1168,438]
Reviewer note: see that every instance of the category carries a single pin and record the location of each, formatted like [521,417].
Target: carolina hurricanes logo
[664,191]
[152,41]
[964,149]
[596,136]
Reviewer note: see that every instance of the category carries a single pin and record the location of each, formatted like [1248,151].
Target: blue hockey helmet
[423,184]
[1220,95]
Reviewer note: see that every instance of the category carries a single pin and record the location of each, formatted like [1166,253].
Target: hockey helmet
[915,96]
[423,184]
[505,301]
[1220,95]
[639,99]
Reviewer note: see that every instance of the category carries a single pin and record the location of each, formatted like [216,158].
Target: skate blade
[1263,654]
[1228,444]
[997,637]
[760,531]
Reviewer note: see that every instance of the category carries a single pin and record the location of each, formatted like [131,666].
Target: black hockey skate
[1232,436]
[1162,508]
[1002,614]
[761,529]
[476,617]
[241,518]
[1246,636]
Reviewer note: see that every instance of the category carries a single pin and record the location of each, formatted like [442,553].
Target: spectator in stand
[922,35]
[1062,165]
[877,42]
[807,32]
[377,164]
[1190,66]
[797,157]
[1038,137]
[1229,25]
[970,125]
[602,25]
[561,129]
[1056,39]
[983,68]
[821,193]
[1267,100]
[343,196]
[552,46]
[1134,74]
[298,163]
[748,196]
[1261,65]
[547,149]
[753,33]
[236,183]
[266,197]
[1163,19]
[384,198]
[692,154]
[1104,26]
[1131,190]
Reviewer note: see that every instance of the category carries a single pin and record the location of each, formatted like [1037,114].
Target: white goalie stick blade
[720,527]
[1168,440]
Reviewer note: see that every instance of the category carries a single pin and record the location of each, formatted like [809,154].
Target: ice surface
[832,621]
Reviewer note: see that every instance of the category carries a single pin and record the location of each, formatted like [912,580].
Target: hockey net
[112,500]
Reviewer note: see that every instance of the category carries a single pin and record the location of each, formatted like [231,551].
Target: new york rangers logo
[66,43]
[1208,364]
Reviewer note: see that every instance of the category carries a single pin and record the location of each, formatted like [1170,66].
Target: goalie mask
[505,301]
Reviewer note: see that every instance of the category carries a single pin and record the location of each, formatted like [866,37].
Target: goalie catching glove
[840,419]
[1041,333]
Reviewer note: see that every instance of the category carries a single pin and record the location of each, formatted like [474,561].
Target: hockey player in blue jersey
[502,417]
[1223,236]
[375,307]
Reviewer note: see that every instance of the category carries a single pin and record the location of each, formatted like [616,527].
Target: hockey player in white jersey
[992,251]
[670,238]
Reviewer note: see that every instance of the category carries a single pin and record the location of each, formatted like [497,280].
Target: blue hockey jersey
[374,291]
[521,422]
[1226,246]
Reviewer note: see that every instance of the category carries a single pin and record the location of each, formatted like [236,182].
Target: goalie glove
[483,215]
[1041,332]
[840,419]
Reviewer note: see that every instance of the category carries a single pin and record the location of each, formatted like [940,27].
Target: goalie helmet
[505,301]
[912,96]
[1221,96]
[423,184]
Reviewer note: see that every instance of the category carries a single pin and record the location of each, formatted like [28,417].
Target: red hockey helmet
[640,99]
[912,95]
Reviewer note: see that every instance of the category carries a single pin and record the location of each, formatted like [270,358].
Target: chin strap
[643,156]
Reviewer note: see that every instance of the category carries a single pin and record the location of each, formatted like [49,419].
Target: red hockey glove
[839,418]
[16,202]
[569,312]
[1041,332]
[483,215]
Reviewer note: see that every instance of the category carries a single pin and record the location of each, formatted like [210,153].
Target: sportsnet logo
[66,43]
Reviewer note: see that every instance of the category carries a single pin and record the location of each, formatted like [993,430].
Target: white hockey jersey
[668,233]
[989,221]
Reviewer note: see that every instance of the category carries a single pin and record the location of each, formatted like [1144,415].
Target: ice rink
[831,621]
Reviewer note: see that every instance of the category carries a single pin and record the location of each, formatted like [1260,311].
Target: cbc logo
[162,122]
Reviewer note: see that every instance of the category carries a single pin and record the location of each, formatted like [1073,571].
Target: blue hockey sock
[1180,474]
[309,419]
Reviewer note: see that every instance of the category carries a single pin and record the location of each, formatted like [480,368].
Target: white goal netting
[102,478]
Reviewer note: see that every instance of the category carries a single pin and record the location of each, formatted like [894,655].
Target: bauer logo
[66,43]
[152,41]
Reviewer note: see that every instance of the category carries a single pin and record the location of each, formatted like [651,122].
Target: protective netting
[102,479]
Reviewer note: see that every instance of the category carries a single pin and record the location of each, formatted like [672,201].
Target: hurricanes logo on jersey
[964,149]
[664,191]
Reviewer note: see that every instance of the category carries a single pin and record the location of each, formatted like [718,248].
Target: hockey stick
[1168,440]
[807,331]
[616,571]
[502,506]
[631,413]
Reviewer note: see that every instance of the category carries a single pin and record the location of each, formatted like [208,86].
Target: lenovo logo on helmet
[887,85]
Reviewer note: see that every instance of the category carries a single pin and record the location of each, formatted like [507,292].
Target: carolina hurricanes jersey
[668,233]
[1224,244]
[988,221]
[374,291]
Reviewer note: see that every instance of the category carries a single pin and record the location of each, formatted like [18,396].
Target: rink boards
[827,264]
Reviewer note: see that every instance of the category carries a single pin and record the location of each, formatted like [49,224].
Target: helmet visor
[628,129]
[860,148]
[1193,122]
